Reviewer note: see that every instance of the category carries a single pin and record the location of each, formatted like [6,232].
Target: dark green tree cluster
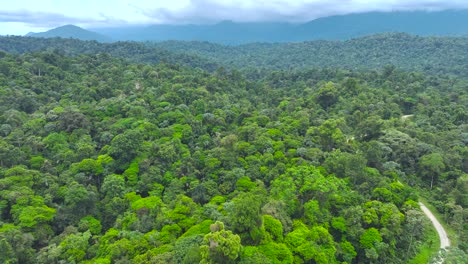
[433,55]
[106,161]
[131,51]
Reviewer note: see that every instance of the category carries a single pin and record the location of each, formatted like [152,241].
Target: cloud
[49,19]
[105,13]
[206,11]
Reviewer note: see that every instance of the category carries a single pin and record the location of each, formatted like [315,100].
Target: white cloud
[47,19]
[284,10]
[29,14]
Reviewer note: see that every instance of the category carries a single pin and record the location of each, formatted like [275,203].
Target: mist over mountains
[71,31]
[441,23]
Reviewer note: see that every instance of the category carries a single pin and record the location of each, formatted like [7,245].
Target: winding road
[444,241]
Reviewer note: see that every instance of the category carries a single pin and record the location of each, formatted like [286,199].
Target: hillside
[341,27]
[107,161]
[131,51]
[71,31]
[447,55]
[438,23]
[433,55]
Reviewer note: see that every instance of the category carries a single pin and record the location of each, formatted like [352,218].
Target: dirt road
[444,241]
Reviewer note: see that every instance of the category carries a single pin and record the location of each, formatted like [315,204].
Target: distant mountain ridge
[433,55]
[71,31]
[446,55]
[442,23]
[343,27]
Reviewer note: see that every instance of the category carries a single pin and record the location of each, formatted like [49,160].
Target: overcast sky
[18,17]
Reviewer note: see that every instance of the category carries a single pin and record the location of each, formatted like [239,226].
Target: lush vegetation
[131,51]
[104,160]
[433,55]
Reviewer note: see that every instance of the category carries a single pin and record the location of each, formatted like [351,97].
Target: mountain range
[441,23]
[71,31]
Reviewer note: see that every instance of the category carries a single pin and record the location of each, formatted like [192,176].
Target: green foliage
[327,95]
[431,166]
[251,255]
[90,223]
[202,228]
[273,227]
[339,224]
[107,161]
[276,253]
[328,135]
[124,147]
[7,255]
[13,238]
[220,246]
[73,247]
[433,55]
[244,184]
[370,237]
[347,251]
[131,174]
[147,203]
[311,244]
[30,216]
[245,218]
[37,162]
[187,249]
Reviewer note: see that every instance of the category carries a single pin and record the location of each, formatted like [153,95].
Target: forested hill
[433,55]
[106,161]
[131,51]
[71,31]
[340,27]
[447,55]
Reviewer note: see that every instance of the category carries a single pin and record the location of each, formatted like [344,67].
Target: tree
[79,201]
[371,128]
[12,237]
[273,228]
[413,230]
[32,216]
[90,223]
[314,244]
[327,95]
[126,146]
[370,237]
[276,252]
[347,251]
[7,255]
[187,249]
[431,166]
[245,217]
[220,246]
[73,248]
[328,135]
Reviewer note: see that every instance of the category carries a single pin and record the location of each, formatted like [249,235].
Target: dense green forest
[110,158]
[131,51]
[431,55]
